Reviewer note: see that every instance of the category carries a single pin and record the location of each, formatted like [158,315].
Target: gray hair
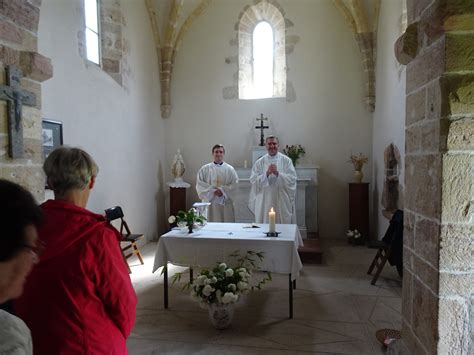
[272,137]
[69,168]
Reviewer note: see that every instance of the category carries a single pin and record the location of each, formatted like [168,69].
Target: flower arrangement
[358,161]
[189,219]
[225,284]
[354,234]
[294,152]
[354,237]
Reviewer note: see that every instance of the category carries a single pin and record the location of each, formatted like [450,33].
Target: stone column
[438,48]
[19,47]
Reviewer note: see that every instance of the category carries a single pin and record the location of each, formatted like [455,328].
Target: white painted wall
[389,115]
[121,128]
[328,117]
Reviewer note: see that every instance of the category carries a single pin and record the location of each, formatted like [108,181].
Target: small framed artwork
[52,136]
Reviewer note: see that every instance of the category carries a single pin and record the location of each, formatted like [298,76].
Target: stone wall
[18,47]
[439,215]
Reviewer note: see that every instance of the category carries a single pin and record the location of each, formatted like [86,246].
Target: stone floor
[336,311]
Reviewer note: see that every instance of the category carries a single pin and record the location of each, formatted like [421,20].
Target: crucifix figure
[16,98]
[261,128]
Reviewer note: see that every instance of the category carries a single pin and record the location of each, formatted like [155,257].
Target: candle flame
[271,210]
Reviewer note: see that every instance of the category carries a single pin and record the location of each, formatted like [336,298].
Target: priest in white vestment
[273,180]
[215,183]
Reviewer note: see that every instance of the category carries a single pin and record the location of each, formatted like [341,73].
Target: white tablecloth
[216,241]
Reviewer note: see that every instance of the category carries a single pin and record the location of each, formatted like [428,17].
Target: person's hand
[272,169]
[218,193]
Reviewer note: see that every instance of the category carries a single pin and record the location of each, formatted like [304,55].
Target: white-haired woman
[79,299]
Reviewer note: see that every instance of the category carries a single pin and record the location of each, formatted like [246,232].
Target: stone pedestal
[306,199]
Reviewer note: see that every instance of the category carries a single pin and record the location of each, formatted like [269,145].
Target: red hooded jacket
[79,298]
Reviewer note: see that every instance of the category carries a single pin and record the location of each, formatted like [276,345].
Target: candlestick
[271,220]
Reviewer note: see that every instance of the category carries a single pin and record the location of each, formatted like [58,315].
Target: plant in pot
[219,288]
[191,219]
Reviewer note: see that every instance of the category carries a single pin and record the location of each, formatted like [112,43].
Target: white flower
[222,266]
[200,280]
[208,281]
[213,280]
[229,272]
[229,297]
[356,231]
[357,235]
[171,219]
[242,274]
[242,285]
[232,287]
[350,233]
[207,290]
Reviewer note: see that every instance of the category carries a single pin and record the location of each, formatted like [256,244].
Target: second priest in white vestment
[273,180]
[215,183]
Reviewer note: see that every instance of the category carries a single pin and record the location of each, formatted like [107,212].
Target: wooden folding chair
[383,253]
[116,213]
[392,241]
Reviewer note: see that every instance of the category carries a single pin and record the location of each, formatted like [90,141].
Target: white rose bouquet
[355,237]
[225,284]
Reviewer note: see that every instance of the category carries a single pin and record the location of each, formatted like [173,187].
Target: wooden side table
[177,196]
[359,208]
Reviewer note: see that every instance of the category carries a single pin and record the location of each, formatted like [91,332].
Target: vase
[358,176]
[190,228]
[221,315]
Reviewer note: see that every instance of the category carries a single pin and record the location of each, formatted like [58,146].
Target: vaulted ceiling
[171,19]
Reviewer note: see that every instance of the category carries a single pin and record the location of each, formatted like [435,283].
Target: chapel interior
[392,80]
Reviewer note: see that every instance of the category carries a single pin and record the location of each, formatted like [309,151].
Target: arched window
[91,9]
[262,56]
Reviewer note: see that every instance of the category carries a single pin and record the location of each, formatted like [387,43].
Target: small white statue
[178,167]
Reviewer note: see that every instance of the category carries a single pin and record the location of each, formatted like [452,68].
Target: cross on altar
[262,127]
[16,98]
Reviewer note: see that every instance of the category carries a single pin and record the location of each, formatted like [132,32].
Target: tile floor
[336,311]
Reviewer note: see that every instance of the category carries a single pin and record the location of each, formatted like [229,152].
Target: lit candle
[271,221]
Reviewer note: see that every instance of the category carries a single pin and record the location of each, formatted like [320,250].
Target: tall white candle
[271,221]
[245,164]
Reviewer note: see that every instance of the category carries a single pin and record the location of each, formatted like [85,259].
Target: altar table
[216,241]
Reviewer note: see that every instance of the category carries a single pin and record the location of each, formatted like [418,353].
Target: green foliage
[189,217]
[294,152]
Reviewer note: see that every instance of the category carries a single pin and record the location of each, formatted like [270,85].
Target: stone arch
[249,19]
[251,15]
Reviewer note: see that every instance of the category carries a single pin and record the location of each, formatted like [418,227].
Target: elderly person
[19,249]
[79,299]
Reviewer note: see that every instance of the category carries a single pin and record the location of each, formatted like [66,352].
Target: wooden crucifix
[16,98]
[261,128]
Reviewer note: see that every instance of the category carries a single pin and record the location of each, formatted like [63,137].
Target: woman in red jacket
[79,298]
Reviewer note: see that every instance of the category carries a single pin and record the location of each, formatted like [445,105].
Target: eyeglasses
[38,249]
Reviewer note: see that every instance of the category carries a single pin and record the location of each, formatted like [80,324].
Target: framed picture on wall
[52,136]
